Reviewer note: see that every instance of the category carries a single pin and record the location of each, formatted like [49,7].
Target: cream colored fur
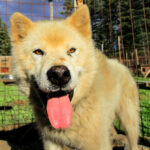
[103,88]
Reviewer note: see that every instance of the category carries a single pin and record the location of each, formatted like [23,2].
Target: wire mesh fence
[15,110]
[145,113]
[109,32]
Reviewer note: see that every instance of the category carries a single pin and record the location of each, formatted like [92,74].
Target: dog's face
[55,58]
[54,53]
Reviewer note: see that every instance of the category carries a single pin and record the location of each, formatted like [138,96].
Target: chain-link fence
[109,25]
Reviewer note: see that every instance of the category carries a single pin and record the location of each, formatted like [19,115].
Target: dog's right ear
[80,20]
[19,26]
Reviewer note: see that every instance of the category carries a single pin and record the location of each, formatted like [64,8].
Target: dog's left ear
[81,21]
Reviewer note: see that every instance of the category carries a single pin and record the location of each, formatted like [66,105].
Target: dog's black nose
[59,75]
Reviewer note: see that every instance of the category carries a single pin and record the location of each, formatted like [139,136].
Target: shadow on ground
[28,138]
[23,138]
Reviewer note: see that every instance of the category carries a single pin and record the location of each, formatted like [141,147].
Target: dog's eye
[71,50]
[38,52]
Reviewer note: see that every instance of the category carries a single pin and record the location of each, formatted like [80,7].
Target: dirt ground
[141,147]
[4,146]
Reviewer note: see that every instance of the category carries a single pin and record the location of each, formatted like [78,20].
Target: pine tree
[146,14]
[4,39]
[113,18]
[136,33]
[68,7]
[95,21]
[126,25]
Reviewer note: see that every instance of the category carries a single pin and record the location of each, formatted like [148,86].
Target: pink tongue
[59,111]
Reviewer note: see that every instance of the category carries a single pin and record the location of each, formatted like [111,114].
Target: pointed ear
[19,26]
[81,21]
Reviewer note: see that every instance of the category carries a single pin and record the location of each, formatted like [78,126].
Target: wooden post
[119,46]
[9,64]
[128,61]
[51,11]
[75,5]
[137,57]
[102,47]
[132,57]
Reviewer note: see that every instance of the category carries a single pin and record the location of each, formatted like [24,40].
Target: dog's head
[58,55]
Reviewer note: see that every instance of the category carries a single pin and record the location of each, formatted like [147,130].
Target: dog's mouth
[57,105]
[60,93]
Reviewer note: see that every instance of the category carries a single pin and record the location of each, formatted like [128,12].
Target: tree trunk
[120,28]
[110,27]
[101,14]
[133,35]
[147,39]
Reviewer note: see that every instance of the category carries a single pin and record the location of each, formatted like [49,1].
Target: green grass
[9,94]
[144,112]
[21,112]
[141,79]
